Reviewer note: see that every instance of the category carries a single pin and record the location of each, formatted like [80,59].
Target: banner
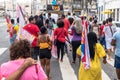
[26,35]
[85,57]
[20,15]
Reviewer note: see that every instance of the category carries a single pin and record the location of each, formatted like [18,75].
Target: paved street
[59,71]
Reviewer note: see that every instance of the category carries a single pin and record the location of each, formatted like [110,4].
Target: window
[113,14]
[117,14]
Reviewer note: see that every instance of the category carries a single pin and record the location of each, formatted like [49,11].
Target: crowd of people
[101,39]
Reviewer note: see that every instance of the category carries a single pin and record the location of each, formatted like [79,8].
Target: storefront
[112,5]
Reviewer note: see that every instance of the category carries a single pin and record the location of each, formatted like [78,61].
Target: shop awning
[107,12]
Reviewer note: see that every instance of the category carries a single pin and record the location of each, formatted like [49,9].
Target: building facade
[112,5]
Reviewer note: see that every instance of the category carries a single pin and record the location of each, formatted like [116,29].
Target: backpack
[78,27]
[50,23]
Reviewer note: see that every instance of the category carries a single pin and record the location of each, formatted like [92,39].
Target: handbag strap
[111,30]
[60,33]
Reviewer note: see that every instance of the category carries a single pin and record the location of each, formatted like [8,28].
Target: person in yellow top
[45,45]
[16,26]
[96,52]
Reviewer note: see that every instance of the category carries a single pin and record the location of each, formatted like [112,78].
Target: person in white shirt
[109,30]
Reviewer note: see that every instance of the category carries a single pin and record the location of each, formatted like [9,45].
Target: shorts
[117,62]
[45,53]
[108,44]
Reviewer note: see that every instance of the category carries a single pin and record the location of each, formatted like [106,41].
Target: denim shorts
[117,62]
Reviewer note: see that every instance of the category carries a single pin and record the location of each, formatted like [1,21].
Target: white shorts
[108,44]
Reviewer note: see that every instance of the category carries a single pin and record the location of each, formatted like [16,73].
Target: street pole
[104,9]
[4,6]
[84,6]
[13,7]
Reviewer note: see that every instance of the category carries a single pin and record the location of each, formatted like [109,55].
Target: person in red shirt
[102,37]
[34,30]
[60,33]
[66,26]
[84,22]
[66,22]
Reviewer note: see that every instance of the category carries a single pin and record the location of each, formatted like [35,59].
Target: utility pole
[84,6]
[13,7]
[4,6]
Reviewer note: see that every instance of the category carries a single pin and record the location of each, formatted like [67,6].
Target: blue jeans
[13,38]
[102,41]
[49,31]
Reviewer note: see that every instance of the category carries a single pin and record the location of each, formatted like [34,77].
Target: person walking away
[66,22]
[38,21]
[33,30]
[66,26]
[49,23]
[90,24]
[109,30]
[12,39]
[69,15]
[19,51]
[16,27]
[45,45]
[76,40]
[74,16]
[102,37]
[116,42]
[96,52]
[60,33]
[95,28]
[84,22]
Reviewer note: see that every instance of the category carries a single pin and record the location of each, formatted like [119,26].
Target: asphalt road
[59,71]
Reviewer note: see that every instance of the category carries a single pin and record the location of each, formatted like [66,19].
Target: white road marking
[2,50]
[66,70]
[105,76]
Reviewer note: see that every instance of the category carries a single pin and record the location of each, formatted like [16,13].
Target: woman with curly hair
[19,51]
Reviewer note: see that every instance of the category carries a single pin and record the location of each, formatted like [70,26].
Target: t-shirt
[94,73]
[16,28]
[75,37]
[61,35]
[34,72]
[116,37]
[66,24]
[32,29]
[101,29]
[108,33]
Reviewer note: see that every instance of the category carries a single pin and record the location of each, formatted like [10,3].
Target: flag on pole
[22,33]
[20,14]
[85,57]
[10,26]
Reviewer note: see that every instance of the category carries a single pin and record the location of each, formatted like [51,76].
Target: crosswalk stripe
[66,70]
[2,50]
[105,76]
